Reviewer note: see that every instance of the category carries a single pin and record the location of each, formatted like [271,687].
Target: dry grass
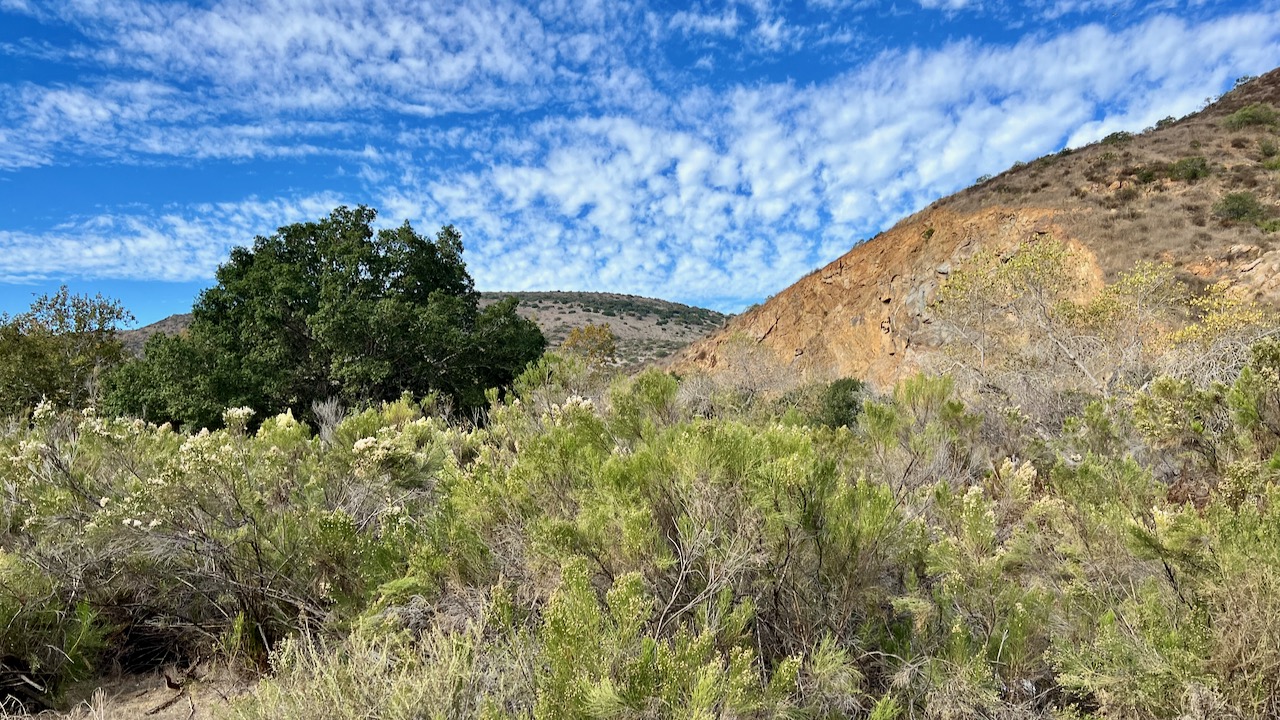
[1131,196]
[645,328]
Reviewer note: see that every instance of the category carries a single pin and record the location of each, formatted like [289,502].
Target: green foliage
[43,643]
[1176,415]
[1257,114]
[176,382]
[1239,207]
[333,309]
[840,403]
[243,538]
[58,351]
[1147,175]
[1119,137]
[599,663]
[1189,169]
[642,403]
[619,551]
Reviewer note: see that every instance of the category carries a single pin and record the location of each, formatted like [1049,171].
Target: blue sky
[710,153]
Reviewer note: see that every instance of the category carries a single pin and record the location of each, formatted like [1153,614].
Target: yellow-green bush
[615,553]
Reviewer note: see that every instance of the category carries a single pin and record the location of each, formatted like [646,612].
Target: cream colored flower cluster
[237,418]
[574,404]
[373,454]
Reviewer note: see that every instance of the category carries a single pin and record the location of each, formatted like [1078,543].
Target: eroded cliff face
[1117,202]
[867,314]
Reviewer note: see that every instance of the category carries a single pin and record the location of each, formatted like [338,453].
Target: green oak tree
[327,309]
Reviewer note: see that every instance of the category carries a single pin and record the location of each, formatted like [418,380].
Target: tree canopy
[58,350]
[332,308]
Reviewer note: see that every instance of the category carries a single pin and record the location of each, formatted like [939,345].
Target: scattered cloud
[577,145]
[948,4]
[696,23]
[774,179]
[177,244]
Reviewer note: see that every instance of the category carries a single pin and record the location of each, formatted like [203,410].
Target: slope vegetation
[646,328]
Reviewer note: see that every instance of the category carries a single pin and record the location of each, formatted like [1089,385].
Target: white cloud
[566,163]
[772,178]
[179,245]
[301,56]
[691,23]
[948,4]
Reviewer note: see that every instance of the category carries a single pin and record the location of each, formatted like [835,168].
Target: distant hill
[1201,193]
[172,325]
[647,328]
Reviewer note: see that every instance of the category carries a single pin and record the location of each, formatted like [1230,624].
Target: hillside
[646,328]
[1199,193]
[135,339]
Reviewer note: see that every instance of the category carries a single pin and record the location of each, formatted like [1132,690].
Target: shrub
[597,345]
[1190,169]
[840,403]
[626,554]
[396,677]
[227,536]
[1252,115]
[43,643]
[1127,195]
[1239,207]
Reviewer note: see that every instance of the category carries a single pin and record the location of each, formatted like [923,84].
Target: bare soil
[139,697]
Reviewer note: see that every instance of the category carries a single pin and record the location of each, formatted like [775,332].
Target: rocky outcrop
[868,314]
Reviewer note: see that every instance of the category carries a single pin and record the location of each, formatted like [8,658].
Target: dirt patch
[144,697]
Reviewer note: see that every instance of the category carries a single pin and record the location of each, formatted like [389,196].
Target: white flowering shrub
[173,542]
[612,553]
